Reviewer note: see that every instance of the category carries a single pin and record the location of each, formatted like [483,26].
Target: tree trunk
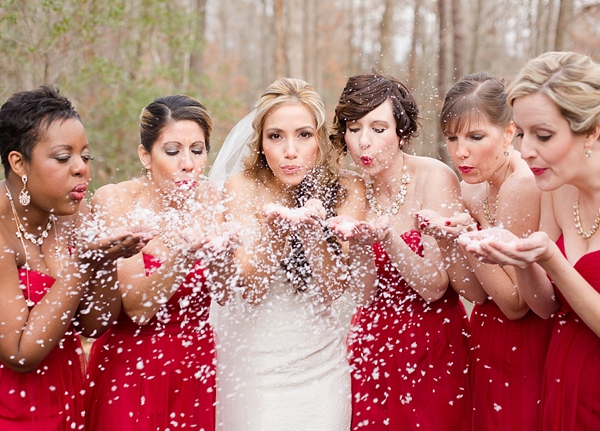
[311,45]
[280,60]
[458,43]
[442,62]
[565,12]
[386,35]
[199,36]
[295,38]
[414,43]
[549,23]
[476,36]
[442,71]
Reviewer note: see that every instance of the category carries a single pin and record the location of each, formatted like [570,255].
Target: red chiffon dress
[571,391]
[160,376]
[50,398]
[507,364]
[409,358]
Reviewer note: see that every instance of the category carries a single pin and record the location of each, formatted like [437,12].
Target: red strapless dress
[571,391]
[160,376]
[50,398]
[507,363]
[409,358]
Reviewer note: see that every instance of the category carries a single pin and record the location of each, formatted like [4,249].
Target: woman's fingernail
[447,223]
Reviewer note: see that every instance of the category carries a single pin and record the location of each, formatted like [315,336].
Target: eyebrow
[179,143]
[278,129]
[68,147]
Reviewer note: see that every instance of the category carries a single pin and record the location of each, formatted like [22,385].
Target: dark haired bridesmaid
[58,276]
[155,369]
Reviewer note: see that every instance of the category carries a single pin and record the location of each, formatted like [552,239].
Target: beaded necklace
[400,197]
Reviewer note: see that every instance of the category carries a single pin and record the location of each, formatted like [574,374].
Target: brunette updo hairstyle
[474,95]
[164,110]
[26,116]
[364,93]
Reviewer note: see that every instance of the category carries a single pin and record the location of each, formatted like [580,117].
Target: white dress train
[282,365]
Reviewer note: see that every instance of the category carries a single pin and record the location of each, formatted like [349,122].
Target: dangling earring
[506,152]
[588,153]
[149,174]
[24,196]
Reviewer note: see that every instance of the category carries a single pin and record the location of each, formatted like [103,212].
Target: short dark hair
[164,110]
[364,93]
[26,116]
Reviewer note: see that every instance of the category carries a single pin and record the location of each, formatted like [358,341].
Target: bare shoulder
[241,186]
[430,172]
[117,199]
[350,178]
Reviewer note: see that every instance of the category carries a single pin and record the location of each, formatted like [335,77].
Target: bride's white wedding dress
[282,364]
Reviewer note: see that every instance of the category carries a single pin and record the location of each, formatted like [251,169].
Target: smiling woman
[57,277]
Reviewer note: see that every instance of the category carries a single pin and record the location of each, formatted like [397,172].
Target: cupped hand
[431,223]
[121,242]
[344,227]
[374,231]
[500,246]
[200,245]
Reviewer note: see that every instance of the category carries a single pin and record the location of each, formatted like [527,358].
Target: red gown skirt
[409,358]
[571,391]
[160,376]
[507,364]
[50,398]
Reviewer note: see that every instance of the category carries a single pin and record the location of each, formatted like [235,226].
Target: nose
[291,152]
[80,167]
[363,140]
[186,164]
[461,150]
[526,148]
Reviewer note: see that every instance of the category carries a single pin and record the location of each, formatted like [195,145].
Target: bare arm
[427,274]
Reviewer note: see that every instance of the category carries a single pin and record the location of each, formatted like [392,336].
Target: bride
[281,353]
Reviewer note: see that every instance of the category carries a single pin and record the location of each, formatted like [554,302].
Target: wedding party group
[211,296]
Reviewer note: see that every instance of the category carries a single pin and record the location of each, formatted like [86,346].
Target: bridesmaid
[556,104]
[409,348]
[155,369]
[509,342]
[55,283]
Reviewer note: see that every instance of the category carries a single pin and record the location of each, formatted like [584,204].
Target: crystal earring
[588,153]
[24,196]
[149,174]
[506,152]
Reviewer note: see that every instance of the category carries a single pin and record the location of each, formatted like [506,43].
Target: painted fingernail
[447,223]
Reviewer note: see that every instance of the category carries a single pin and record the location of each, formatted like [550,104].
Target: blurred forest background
[112,57]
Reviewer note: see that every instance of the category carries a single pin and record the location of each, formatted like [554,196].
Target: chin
[547,186]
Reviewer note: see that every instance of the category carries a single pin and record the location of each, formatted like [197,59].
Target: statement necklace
[400,197]
[21,232]
[577,219]
[486,210]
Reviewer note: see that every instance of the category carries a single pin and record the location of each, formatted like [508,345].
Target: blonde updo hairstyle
[570,80]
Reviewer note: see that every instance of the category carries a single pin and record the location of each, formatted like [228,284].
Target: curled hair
[473,95]
[164,110]
[321,183]
[570,80]
[364,93]
[25,118]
